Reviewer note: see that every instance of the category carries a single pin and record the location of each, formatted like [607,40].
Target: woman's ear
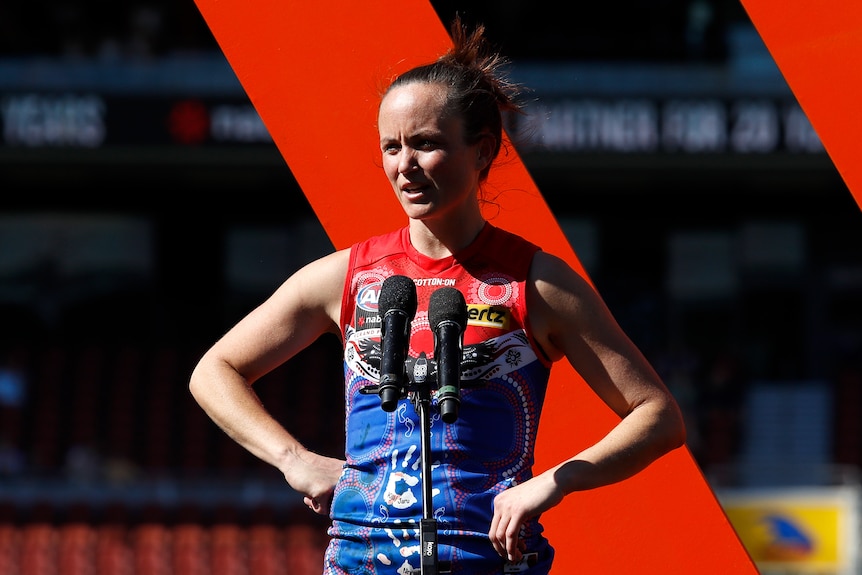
[485,151]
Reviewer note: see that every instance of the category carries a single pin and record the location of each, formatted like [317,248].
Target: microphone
[397,306]
[447,314]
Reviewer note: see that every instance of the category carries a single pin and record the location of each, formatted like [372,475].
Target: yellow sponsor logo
[488,316]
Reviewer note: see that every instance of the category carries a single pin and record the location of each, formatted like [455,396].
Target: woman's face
[432,170]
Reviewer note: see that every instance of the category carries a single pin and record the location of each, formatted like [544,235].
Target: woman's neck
[436,240]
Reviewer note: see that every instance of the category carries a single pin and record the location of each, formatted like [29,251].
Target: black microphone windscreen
[397,292]
[447,304]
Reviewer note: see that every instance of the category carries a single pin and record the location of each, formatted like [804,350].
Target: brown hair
[479,91]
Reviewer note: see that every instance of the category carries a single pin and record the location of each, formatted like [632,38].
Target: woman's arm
[570,320]
[304,307]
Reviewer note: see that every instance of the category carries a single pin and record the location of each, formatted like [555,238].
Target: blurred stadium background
[145,209]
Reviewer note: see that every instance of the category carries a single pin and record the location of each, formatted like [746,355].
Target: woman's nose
[407,161]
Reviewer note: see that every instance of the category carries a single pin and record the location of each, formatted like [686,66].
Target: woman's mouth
[413,191]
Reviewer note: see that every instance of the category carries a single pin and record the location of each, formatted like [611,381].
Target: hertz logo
[488,316]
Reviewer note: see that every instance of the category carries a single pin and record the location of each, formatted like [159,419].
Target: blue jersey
[378,502]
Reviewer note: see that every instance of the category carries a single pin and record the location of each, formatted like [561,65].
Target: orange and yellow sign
[801,530]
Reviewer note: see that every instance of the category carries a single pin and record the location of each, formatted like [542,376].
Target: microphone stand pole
[428,524]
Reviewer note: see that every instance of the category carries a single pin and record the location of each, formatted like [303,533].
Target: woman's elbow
[201,378]
[674,432]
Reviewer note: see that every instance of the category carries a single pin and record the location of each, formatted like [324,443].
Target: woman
[440,128]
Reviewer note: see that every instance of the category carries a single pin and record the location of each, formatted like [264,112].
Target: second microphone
[447,314]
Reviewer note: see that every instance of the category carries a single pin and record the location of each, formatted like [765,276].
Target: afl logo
[368,296]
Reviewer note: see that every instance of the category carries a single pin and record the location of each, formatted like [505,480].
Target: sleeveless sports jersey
[377,505]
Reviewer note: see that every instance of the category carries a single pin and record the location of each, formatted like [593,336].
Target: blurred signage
[35,120]
[673,125]
[586,125]
[798,530]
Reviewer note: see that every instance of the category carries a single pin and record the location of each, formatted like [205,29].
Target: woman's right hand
[314,476]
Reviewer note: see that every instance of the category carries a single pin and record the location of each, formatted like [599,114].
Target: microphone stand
[420,384]
[430,565]
[428,524]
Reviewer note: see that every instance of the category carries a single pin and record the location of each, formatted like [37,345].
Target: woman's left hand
[514,506]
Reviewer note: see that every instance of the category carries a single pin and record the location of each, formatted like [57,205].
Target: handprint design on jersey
[399,487]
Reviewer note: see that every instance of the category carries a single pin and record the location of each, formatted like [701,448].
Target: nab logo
[368,297]
[488,316]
